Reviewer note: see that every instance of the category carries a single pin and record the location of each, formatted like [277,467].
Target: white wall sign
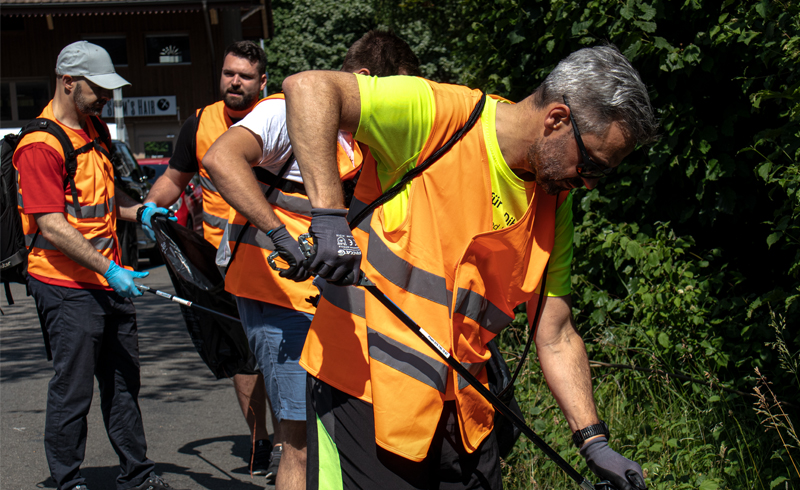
[161,105]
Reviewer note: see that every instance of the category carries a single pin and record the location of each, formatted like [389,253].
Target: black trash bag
[221,342]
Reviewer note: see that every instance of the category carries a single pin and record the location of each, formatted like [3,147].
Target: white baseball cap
[91,61]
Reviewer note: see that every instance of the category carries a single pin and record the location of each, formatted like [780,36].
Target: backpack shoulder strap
[105,137]
[70,155]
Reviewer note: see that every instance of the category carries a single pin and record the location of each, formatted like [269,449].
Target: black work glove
[288,248]
[609,465]
[338,258]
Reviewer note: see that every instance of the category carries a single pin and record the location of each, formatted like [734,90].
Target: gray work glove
[338,258]
[288,248]
[609,465]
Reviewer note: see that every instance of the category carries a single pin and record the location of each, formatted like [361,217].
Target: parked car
[189,206]
[136,182]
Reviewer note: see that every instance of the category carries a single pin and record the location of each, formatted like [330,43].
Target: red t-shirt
[41,177]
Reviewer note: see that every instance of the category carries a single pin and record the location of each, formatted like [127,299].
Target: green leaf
[646,26]
[627,12]
[661,43]
[773,238]
[634,250]
[515,38]
[648,11]
[777,481]
[663,339]
[709,484]
[764,170]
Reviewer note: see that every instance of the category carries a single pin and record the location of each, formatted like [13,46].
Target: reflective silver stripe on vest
[253,236]
[404,275]
[96,211]
[214,221]
[356,207]
[346,298]
[206,183]
[473,368]
[477,308]
[408,361]
[99,243]
[294,204]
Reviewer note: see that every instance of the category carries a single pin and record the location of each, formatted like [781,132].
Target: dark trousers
[92,333]
[341,432]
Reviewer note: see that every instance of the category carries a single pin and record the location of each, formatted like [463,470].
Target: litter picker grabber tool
[184,302]
[490,397]
[308,248]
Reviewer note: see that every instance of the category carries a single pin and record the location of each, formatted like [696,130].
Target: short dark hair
[250,51]
[383,54]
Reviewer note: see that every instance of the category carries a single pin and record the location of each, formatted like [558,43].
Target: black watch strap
[139,213]
[579,436]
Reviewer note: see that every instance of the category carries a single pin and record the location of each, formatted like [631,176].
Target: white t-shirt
[268,120]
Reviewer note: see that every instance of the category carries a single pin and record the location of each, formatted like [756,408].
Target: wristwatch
[139,213]
[579,436]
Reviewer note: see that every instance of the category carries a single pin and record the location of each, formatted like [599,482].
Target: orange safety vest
[94,181]
[447,269]
[249,275]
[213,121]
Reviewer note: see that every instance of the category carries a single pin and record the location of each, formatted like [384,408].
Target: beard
[84,107]
[547,167]
[239,104]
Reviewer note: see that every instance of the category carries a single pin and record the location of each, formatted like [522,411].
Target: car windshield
[126,163]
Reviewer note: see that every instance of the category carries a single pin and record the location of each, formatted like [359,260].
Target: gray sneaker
[272,471]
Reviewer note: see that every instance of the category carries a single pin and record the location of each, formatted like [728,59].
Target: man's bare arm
[228,161]
[318,105]
[65,237]
[562,355]
[169,187]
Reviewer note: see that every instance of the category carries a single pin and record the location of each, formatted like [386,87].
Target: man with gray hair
[483,229]
[83,294]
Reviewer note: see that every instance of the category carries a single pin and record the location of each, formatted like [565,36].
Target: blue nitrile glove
[147,216]
[609,465]
[121,280]
[338,258]
[288,248]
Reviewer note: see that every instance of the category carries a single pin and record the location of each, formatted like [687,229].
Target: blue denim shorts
[276,336]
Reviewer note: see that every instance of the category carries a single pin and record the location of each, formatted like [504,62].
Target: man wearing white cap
[82,293]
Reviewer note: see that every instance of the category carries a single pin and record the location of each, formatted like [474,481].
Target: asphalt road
[195,430]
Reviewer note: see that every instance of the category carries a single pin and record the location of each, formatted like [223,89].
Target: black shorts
[342,453]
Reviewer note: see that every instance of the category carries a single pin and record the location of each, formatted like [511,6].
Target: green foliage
[682,257]
[314,35]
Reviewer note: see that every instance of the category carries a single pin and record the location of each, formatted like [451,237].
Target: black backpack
[13,251]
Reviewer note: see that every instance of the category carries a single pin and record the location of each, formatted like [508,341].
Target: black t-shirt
[184,157]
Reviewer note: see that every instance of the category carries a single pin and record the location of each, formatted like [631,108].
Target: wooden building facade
[170,51]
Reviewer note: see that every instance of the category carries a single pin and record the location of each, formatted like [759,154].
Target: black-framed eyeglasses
[588,169]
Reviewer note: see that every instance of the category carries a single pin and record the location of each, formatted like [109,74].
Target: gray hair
[603,87]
